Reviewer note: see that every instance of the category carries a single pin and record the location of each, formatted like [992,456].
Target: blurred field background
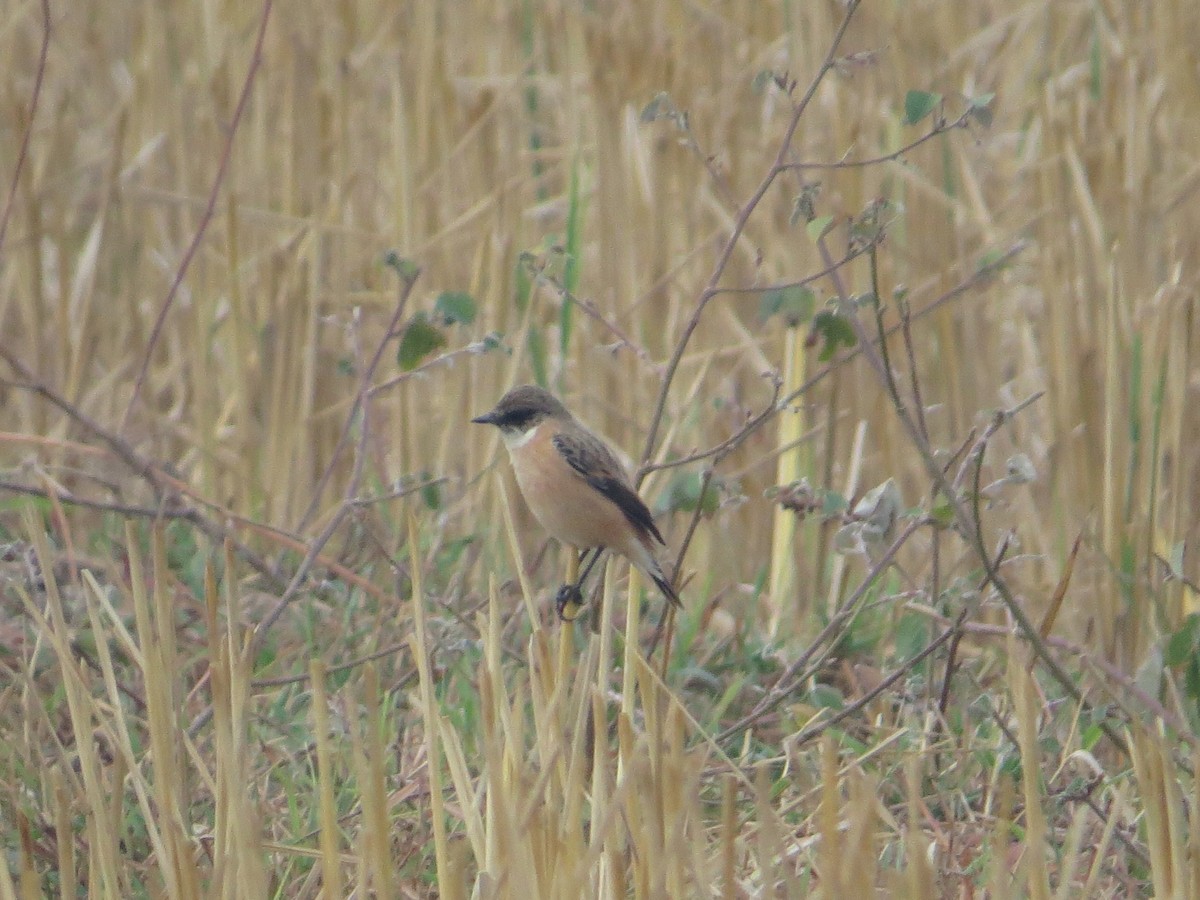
[196,430]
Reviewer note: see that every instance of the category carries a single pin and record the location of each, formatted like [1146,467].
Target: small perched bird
[574,484]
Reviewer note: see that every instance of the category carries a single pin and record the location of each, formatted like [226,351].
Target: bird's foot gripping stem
[568,602]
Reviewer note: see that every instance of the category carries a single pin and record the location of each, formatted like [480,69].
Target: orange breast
[565,504]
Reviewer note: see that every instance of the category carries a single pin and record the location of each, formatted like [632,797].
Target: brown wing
[596,464]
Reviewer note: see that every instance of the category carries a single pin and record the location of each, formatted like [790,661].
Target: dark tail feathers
[665,586]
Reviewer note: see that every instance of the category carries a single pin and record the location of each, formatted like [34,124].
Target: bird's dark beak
[488,418]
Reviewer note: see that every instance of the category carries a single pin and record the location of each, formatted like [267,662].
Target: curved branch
[33,107]
[939,128]
[739,227]
[185,263]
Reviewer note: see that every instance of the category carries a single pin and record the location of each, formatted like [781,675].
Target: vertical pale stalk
[510,527]
[1071,854]
[103,856]
[633,623]
[1000,883]
[492,711]
[62,822]
[838,564]
[919,871]
[1166,835]
[156,637]
[606,875]
[374,794]
[788,468]
[1193,874]
[1117,813]
[1034,864]
[729,835]
[418,643]
[327,835]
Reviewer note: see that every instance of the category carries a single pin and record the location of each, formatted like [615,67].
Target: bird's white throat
[515,440]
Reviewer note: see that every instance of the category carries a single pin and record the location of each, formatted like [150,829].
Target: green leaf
[431,493]
[794,303]
[1181,646]
[833,504]
[186,557]
[1011,766]
[912,634]
[942,512]
[683,495]
[421,338]
[991,262]
[919,104]
[980,109]
[661,107]
[1148,677]
[405,268]
[1191,679]
[762,80]
[493,340]
[817,227]
[824,696]
[452,552]
[982,115]
[455,308]
[835,331]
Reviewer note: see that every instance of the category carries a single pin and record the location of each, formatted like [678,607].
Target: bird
[574,484]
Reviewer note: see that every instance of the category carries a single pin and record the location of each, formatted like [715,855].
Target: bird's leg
[569,599]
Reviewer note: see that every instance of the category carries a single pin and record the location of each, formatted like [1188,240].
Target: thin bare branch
[25,138]
[739,227]
[205,218]
[938,128]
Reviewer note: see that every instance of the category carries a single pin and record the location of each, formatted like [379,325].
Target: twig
[350,493]
[739,226]
[33,108]
[210,527]
[446,358]
[592,310]
[188,514]
[364,392]
[913,379]
[400,492]
[205,218]
[795,283]
[952,653]
[727,446]
[907,666]
[302,677]
[769,412]
[939,128]
[966,520]
[1108,669]
[124,451]
[166,490]
[797,671]
[408,280]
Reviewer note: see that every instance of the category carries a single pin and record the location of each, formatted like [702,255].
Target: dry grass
[407,719]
